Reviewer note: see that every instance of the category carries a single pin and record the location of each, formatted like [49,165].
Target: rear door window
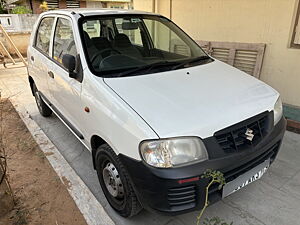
[44,35]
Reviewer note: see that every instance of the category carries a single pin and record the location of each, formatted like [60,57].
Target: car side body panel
[111,118]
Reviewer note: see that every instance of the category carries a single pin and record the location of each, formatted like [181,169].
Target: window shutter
[179,47]
[52,4]
[181,50]
[247,57]
[245,60]
[221,54]
[297,32]
[73,4]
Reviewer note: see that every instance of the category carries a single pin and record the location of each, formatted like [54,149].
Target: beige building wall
[20,39]
[252,21]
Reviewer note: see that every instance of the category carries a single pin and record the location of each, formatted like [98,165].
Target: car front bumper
[180,190]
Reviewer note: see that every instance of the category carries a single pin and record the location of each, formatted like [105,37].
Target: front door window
[63,40]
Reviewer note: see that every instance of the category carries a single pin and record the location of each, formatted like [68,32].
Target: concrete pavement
[273,200]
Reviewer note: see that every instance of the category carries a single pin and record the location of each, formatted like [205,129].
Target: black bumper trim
[159,190]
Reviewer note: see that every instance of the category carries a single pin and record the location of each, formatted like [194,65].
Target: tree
[3,8]
[20,10]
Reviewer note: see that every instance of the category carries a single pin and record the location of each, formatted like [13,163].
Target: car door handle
[51,74]
[32,58]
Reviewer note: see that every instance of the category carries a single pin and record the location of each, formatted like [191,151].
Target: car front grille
[182,196]
[234,138]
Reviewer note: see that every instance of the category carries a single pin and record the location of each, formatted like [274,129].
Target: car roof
[97,11]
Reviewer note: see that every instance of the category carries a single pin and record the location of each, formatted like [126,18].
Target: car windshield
[131,45]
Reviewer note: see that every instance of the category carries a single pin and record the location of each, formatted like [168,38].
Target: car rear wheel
[115,183]
[43,108]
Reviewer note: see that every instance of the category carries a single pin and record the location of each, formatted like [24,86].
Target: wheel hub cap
[113,181]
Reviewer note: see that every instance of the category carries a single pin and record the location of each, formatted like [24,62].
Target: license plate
[245,179]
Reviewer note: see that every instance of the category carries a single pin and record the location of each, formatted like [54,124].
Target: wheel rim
[113,181]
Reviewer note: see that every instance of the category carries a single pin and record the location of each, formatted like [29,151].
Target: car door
[65,91]
[39,54]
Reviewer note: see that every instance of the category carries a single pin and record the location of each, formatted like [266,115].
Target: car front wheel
[114,182]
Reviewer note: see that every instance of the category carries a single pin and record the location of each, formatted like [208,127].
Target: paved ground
[273,200]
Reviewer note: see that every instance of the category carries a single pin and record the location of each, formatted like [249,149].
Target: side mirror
[69,62]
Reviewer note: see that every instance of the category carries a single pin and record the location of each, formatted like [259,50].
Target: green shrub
[217,177]
[2,10]
[20,10]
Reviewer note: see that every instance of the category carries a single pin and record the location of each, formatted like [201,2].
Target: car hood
[195,101]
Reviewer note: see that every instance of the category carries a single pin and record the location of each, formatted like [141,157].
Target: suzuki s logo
[249,134]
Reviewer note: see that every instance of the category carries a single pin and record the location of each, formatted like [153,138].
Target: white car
[152,107]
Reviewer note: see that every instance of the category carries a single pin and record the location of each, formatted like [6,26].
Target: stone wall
[18,22]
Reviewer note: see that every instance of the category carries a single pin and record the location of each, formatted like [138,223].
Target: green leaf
[20,10]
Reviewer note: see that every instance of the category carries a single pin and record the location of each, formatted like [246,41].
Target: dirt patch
[6,197]
[41,197]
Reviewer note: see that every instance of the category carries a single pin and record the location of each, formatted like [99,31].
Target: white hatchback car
[152,107]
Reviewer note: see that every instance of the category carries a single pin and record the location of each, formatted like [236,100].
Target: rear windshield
[138,43]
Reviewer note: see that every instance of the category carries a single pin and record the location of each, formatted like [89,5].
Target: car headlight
[165,153]
[278,111]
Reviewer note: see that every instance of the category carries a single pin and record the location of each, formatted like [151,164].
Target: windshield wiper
[189,61]
[161,64]
[147,67]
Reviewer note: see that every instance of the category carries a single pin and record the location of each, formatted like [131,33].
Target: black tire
[43,108]
[126,204]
